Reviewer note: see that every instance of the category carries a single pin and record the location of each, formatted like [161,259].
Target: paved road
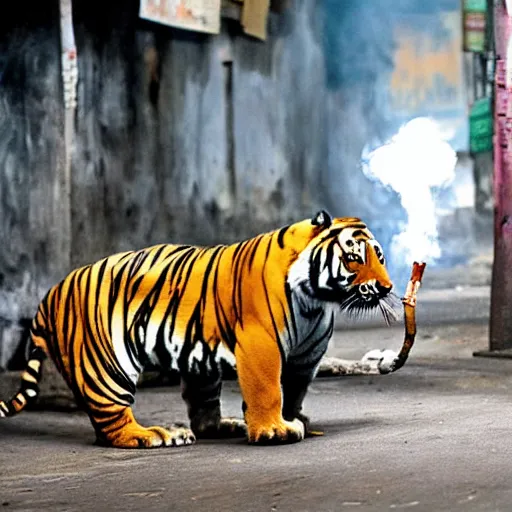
[435,436]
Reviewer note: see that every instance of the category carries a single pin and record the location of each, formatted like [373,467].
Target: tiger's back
[104,321]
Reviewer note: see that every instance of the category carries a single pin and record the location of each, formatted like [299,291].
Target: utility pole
[69,71]
[500,342]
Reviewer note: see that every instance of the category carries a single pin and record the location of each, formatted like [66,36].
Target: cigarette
[377,362]
[409,302]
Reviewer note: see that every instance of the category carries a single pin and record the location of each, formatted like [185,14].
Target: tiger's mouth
[366,299]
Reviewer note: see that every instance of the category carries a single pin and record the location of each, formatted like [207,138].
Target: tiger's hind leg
[116,426]
[107,399]
[201,382]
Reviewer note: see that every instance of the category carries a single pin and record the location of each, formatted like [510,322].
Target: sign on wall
[475,19]
[198,15]
[481,126]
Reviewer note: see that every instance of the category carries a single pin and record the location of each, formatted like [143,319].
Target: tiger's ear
[322,219]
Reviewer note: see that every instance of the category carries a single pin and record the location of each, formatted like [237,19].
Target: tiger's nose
[383,290]
[364,289]
[374,289]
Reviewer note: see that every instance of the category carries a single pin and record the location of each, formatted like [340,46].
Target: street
[433,436]
[185,183]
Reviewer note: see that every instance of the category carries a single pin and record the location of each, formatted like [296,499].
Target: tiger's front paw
[384,359]
[280,432]
[307,424]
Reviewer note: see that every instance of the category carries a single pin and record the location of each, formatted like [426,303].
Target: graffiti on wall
[200,15]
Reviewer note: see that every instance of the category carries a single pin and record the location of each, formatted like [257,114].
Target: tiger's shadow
[47,428]
[79,433]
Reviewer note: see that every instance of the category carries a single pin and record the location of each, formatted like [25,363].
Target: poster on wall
[197,15]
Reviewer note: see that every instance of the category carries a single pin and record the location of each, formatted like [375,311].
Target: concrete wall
[184,137]
[179,137]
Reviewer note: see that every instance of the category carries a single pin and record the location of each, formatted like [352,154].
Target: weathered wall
[179,136]
[182,136]
[192,138]
[32,240]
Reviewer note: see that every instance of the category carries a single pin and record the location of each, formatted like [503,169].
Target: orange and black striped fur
[266,304]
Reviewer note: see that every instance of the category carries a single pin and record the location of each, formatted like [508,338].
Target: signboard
[198,15]
[481,126]
[475,19]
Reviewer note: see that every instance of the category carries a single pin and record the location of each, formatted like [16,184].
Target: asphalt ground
[435,436]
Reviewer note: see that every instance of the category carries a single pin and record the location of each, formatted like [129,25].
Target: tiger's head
[344,264]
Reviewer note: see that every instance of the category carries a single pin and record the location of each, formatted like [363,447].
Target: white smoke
[414,163]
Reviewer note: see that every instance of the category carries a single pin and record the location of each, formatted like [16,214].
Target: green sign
[475,21]
[475,5]
[481,126]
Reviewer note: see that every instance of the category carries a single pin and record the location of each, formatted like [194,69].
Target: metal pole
[69,79]
[500,342]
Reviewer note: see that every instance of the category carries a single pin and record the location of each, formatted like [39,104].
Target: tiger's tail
[30,378]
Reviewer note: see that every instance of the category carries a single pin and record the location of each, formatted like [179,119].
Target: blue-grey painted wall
[185,137]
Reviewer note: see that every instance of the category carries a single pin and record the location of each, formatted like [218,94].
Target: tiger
[265,305]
